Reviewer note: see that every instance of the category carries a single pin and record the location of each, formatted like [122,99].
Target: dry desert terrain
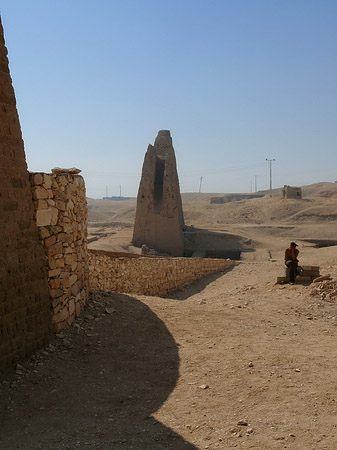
[232,361]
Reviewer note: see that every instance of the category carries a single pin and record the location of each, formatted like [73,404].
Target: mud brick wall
[159,220]
[61,216]
[25,317]
[147,275]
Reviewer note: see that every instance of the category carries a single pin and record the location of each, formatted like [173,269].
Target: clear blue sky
[235,81]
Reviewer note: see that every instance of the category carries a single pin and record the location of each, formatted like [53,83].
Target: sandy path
[182,372]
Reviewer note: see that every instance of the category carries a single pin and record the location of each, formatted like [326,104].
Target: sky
[236,82]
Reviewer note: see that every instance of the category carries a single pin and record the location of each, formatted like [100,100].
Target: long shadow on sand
[98,386]
[196,287]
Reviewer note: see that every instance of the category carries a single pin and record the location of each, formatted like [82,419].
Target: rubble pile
[326,290]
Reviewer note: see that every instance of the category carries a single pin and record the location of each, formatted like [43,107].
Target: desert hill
[269,221]
[318,205]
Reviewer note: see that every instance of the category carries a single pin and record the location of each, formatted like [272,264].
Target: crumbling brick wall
[291,192]
[159,220]
[25,317]
[147,275]
[61,216]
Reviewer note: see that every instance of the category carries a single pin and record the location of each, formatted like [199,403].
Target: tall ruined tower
[159,217]
[25,317]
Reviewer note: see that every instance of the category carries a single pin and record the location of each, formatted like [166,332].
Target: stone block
[70,319]
[60,263]
[64,313]
[77,309]
[40,192]
[68,282]
[43,233]
[76,287]
[59,326]
[36,179]
[49,241]
[55,293]
[47,181]
[45,217]
[68,259]
[55,249]
[41,204]
[55,283]
[71,306]
[54,272]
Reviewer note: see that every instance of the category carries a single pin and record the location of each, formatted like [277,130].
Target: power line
[270,174]
[191,172]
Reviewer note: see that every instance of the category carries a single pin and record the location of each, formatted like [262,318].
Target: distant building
[116,199]
[291,192]
[234,198]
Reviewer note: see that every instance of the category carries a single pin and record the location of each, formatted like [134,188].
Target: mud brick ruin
[291,192]
[159,216]
[25,317]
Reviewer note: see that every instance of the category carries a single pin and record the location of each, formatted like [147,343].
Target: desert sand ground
[232,361]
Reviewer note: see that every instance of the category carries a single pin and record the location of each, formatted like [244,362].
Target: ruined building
[159,216]
[291,192]
[25,317]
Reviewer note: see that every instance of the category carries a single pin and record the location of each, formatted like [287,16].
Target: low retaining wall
[147,275]
[61,216]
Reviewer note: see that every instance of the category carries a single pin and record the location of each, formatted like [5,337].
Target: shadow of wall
[104,389]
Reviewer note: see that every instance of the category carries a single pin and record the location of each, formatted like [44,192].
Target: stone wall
[61,216]
[147,275]
[25,318]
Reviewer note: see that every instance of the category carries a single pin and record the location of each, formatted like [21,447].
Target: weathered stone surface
[47,181]
[62,220]
[40,192]
[50,241]
[72,170]
[37,179]
[159,216]
[147,275]
[46,217]
[24,293]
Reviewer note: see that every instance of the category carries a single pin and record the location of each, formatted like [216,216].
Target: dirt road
[232,361]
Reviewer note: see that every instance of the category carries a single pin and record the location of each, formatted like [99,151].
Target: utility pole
[251,186]
[106,191]
[200,185]
[255,183]
[270,177]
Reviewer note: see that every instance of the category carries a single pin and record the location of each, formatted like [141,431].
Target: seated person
[291,261]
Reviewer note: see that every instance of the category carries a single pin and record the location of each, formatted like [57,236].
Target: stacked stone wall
[147,275]
[25,317]
[61,216]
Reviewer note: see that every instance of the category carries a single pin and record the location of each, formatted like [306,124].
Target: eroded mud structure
[159,216]
[25,317]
